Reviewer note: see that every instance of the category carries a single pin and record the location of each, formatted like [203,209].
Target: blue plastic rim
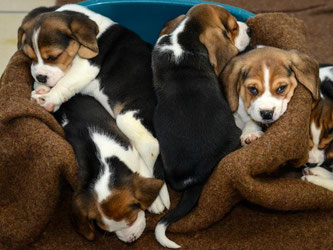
[147,17]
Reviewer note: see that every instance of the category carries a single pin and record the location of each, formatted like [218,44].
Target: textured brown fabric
[35,203]
[33,155]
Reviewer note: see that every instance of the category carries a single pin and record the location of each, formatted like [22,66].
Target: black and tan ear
[82,219]
[171,25]
[306,71]
[85,32]
[28,22]
[231,78]
[146,190]
[329,151]
[220,49]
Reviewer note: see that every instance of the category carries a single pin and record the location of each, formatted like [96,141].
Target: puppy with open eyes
[260,83]
[192,119]
[75,50]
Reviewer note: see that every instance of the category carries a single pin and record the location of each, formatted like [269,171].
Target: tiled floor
[11,15]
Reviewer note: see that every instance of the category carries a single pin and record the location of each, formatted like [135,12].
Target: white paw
[312,178]
[45,99]
[250,137]
[157,206]
[318,171]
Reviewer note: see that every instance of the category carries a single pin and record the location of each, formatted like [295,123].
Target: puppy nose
[311,165]
[248,31]
[41,78]
[266,114]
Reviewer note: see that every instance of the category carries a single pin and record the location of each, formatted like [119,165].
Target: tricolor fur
[193,121]
[260,83]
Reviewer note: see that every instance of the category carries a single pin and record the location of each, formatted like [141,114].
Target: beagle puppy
[321,134]
[192,119]
[260,83]
[110,192]
[75,50]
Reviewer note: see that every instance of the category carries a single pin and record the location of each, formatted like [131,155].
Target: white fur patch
[109,147]
[243,39]
[53,73]
[161,237]
[316,155]
[133,232]
[175,47]
[146,144]
[326,72]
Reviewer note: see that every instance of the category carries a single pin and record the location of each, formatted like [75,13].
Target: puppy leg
[319,181]
[148,147]
[79,75]
[251,132]
[318,171]
[146,144]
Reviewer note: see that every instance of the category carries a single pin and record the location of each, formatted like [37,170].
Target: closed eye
[52,58]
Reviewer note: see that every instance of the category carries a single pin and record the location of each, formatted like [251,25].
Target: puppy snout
[266,114]
[311,165]
[41,78]
[248,32]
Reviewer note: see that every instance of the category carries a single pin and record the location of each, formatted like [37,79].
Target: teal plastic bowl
[147,17]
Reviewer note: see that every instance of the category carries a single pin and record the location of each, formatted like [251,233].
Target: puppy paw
[43,98]
[318,171]
[250,137]
[157,206]
[312,179]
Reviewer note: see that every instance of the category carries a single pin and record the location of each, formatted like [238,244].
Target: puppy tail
[187,202]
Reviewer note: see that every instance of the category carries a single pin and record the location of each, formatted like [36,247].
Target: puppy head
[219,32]
[121,212]
[265,80]
[53,39]
[321,133]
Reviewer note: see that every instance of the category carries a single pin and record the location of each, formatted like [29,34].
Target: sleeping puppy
[321,135]
[110,193]
[192,119]
[77,50]
[260,83]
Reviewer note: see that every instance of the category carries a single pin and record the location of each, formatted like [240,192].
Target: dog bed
[246,203]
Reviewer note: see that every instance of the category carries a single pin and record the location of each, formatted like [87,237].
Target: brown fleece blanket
[35,199]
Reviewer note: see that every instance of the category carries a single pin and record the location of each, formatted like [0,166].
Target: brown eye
[253,90]
[281,89]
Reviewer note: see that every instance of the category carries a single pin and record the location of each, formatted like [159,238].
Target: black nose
[311,165]
[41,78]
[266,114]
[248,31]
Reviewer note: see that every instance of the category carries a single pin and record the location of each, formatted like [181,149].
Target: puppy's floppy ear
[329,151]
[81,218]
[171,25]
[28,22]
[220,49]
[85,32]
[306,71]
[231,78]
[146,190]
